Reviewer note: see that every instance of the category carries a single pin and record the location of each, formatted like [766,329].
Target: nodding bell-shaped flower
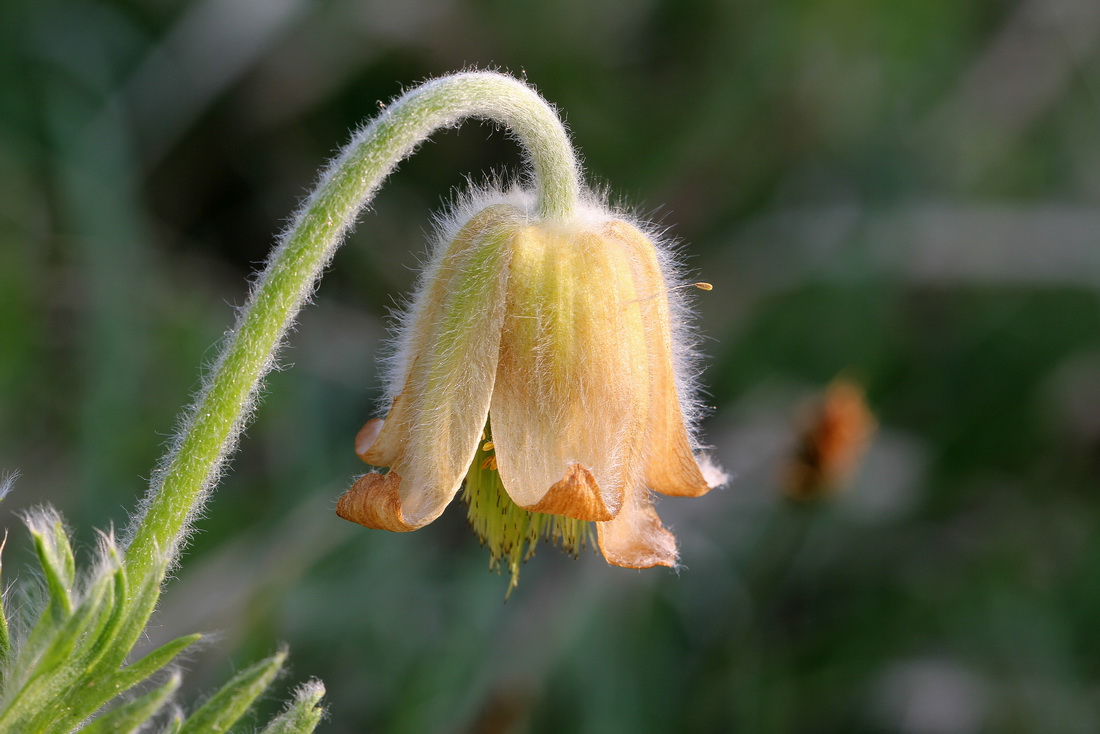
[541,369]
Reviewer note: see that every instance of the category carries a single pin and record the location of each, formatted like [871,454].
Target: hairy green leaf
[130,716]
[234,699]
[302,714]
[133,674]
[48,675]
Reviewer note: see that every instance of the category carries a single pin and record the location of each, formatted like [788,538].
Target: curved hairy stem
[213,423]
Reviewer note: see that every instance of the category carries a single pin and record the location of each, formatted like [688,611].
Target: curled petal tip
[577,495]
[637,539]
[374,502]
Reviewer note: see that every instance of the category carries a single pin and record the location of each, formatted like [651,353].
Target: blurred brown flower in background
[833,436]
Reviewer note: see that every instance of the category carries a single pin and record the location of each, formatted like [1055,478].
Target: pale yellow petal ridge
[636,538]
[367,437]
[431,433]
[570,381]
[671,467]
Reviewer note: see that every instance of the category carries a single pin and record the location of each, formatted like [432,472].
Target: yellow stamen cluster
[510,532]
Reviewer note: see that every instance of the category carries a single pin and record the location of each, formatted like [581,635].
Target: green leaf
[47,532]
[102,687]
[234,699]
[51,544]
[40,698]
[130,716]
[133,674]
[89,674]
[139,609]
[63,552]
[89,616]
[5,634]
[302,714]
[102,642]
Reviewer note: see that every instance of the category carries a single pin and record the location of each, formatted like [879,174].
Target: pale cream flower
[538,364]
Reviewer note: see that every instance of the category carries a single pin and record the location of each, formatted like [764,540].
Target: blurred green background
[905,193]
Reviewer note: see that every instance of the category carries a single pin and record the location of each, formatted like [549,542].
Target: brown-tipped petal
[571,382]
[674,471]
[577,496]
[374,502]
[670,467]
[449,350]
[636,538]
[366,437]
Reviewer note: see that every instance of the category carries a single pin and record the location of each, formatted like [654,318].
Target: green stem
[209,433]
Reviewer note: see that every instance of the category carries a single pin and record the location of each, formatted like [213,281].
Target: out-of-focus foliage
[902,193]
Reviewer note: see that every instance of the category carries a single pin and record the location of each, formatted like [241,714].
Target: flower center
[510,532]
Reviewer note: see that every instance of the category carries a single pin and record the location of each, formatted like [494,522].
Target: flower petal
[368,437]
[636,538]
[670,467]
[570,387]
[577,495]
[374,501]
[431,433]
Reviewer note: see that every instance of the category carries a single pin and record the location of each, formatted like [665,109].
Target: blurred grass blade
[130,716]
[302,714]
[233,700]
